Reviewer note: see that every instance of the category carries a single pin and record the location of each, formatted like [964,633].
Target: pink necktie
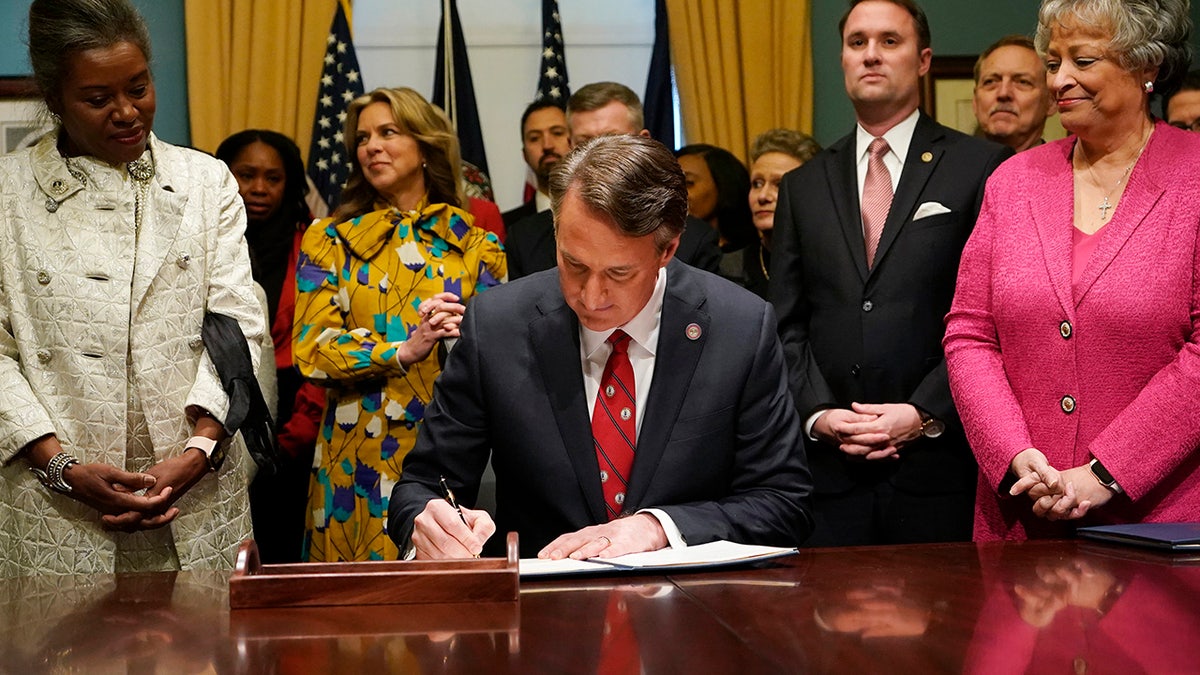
[876,198]
[614,424]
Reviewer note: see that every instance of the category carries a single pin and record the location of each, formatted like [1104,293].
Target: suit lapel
[924,154]
[1050,206]
[161,222]
[674,364]
[843,188]
[555,337]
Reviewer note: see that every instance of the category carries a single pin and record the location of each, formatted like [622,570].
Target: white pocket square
[929,209]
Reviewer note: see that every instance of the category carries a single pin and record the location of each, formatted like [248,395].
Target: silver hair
[60,28]
[1143,33]
[633,181]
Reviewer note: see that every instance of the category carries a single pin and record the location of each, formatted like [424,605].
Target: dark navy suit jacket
[720,448]
[875,335]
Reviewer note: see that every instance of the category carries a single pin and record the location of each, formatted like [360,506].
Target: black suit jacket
[530,246]
[512,216]
[720,447]
[875,336]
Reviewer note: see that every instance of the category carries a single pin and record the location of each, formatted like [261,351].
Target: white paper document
[701,556]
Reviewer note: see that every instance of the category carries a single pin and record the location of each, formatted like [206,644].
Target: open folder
[701,556]
[1164,536]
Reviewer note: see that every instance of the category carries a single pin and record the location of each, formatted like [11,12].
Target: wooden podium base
[373,583]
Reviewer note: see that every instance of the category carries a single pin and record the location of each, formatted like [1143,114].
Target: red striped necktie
[614,424]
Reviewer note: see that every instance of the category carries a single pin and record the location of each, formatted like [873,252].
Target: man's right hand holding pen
[440,533]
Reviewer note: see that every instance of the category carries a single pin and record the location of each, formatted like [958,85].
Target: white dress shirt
[594,351]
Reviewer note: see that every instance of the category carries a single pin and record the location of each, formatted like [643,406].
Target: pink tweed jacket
[1124,346]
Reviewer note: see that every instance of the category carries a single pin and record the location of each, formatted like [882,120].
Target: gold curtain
[254,64]
[741,68]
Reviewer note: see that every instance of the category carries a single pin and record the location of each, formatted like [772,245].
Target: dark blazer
[530,246]
[720,447]
[875,336]
[512,216]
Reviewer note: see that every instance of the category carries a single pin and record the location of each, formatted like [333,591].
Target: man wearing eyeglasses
[1183,108]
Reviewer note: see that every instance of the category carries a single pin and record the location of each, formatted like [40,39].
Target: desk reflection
[617,626]
[1093,610]
[869,609]
[995,608]
[122,623]
[417,638]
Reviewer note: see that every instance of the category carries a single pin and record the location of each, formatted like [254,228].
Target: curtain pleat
[254,64]
[741,68]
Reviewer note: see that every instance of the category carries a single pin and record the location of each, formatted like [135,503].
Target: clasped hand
[130,501]
[126,500]
[1056,495]
[870,430]
[438,317]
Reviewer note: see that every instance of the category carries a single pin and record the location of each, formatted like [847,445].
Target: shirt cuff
[399,363]
[811,422]
[674,537]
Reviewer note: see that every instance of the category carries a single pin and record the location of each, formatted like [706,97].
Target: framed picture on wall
[948,91]
[19,123]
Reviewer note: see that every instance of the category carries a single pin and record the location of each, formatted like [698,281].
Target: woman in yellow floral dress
[380,284]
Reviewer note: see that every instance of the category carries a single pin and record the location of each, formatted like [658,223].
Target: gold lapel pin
[927,157]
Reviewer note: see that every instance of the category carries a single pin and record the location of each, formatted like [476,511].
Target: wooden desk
[1034,607]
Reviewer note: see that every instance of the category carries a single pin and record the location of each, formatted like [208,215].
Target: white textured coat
[63,349]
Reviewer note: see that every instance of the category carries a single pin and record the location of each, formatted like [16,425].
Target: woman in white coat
[113,245]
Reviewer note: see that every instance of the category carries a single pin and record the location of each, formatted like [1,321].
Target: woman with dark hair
[381,284]
[271,180]
[1073,343]
[717,183]
[113,247]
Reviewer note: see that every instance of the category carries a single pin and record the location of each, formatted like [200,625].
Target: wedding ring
[607,541]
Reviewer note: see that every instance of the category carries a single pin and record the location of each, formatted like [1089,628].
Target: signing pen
[453,502]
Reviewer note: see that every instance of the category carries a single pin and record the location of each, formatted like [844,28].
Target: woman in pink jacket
[1072,343]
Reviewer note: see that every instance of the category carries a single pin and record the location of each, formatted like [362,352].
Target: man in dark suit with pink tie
[867,239]
[628,401]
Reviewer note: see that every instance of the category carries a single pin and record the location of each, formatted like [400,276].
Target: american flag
[659,99]
[552,75]
[341,83]
[453,90]
[552,79]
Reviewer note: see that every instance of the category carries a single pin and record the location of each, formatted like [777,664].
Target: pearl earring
[1149,87]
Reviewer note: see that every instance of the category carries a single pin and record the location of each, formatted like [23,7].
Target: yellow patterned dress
[358,287]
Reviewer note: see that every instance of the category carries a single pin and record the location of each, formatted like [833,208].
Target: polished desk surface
[1062,607]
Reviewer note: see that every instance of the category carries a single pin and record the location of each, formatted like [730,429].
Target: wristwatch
[213,451]
[931,427]
[1104,477]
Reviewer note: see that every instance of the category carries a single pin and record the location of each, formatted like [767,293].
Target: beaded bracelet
[52,477]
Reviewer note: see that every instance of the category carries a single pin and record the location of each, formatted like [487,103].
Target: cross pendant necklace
[1106,205]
